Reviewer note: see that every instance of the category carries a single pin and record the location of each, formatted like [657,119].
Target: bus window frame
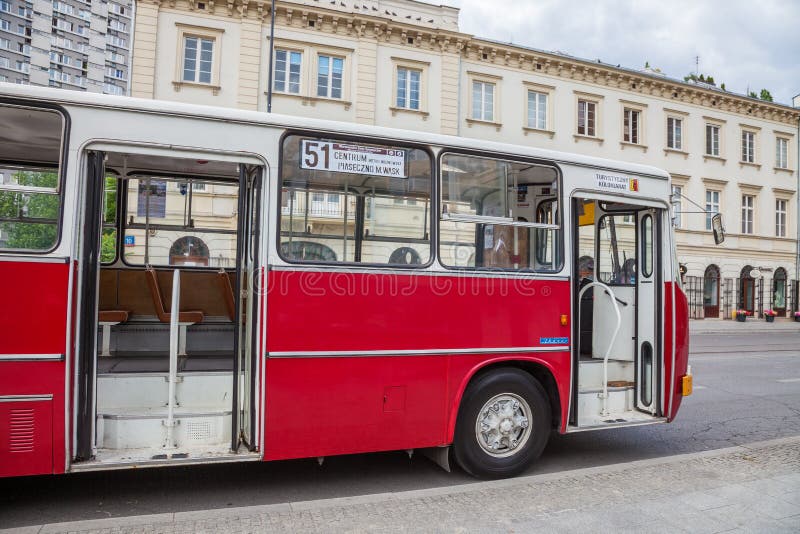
[559,197]
[122,195]
[174,177]
[636,244]
[378,141]
[63,160]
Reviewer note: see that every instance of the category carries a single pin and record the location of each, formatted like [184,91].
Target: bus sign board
[353,159]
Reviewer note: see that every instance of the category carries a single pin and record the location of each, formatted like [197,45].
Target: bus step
[146,427]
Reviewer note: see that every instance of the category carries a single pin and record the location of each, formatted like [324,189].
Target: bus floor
[133,362]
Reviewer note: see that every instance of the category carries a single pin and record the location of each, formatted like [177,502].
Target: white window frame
[405,99]
[713,135]
[185,31]
[587,108]
[483,113]
[712,205]
[677,205]
[676,131]
[331,56]
[632,123]
[748,148]
[587,100]
[782,156]
[781,216]
[286,88]
[748,213]
[422,67]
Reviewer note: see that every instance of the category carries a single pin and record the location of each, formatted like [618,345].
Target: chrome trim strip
[410,352]
[25,398]
[654,421]
[29,357]
[21,258]
[453,273]
[99,465]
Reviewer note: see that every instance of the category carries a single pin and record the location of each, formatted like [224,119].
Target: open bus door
[247,289]
[618,291]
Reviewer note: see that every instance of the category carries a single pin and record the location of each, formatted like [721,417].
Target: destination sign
[353,159]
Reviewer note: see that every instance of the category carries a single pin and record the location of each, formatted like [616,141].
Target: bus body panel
[321,401]
[680,351]
[32,366]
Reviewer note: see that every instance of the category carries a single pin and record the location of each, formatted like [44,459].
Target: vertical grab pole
[173,357]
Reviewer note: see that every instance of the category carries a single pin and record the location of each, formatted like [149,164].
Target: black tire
[469,453]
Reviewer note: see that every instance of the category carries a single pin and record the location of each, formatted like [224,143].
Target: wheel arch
[539,370]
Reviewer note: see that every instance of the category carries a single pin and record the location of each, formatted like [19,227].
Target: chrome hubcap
[503,425]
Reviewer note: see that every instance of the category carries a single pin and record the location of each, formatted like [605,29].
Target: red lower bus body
[372,399]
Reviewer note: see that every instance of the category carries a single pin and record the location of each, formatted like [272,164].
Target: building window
[782,153]
[712,206]
[677,205]
[780,218]
[674,133]
[198,59]
[712,140]
[330,73]
[748,207]
[631,123]
[288,64]
[483,101]
[587,117]
[537,110]
[408,88]
[748,146]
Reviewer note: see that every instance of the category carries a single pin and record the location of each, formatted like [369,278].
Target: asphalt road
[747,389]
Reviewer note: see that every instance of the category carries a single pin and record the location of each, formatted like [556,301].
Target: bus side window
[345,202]
[481,220]
[30,193]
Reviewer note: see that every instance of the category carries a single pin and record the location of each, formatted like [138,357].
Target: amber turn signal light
[563,320]
[686,383]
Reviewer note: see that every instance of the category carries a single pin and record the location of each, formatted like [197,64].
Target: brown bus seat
[191,316]
[113,316]
[129,289]
[226,288]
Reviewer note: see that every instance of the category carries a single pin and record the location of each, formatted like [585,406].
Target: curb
[167,518]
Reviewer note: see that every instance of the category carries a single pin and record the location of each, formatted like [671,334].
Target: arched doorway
[747,290]
[711,292]
[779,291]
[189,251]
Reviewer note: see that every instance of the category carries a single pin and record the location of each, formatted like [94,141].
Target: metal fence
[756,295]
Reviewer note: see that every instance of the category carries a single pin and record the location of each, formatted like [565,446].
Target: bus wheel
[503,424]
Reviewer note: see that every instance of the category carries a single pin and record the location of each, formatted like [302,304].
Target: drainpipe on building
[271,53]
[796,104]
[128,90]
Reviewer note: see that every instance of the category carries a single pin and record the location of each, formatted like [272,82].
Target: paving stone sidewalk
[749,488]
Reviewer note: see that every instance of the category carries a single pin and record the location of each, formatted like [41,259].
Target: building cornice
[369,24]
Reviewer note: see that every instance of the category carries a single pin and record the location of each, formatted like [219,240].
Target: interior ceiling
[160,165]
[30,136]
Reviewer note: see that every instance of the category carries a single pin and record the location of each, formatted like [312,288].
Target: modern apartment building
[74,44]
[405,64]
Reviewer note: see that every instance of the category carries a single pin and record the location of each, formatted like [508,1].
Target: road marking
[699,387]
[788,380]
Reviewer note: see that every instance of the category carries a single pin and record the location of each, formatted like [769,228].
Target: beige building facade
[405,64]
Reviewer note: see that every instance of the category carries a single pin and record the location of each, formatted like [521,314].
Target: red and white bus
[183,284]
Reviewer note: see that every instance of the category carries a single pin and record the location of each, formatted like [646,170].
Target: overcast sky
[743,43]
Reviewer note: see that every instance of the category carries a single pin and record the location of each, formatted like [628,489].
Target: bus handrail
[614,301]
[173,357]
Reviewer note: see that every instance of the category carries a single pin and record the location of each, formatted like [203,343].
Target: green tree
[752,94]
[766,95]
[29,220]
[108,239]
